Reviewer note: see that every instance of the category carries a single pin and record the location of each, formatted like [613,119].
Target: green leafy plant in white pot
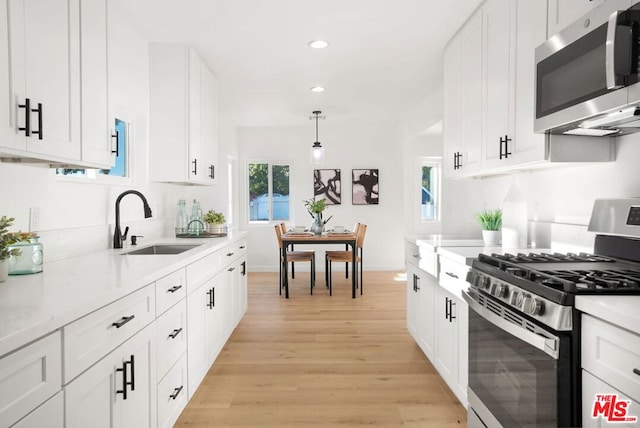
[491,222]
[215,222]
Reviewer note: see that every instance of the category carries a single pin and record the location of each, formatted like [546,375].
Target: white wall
[346,147]
[77,217]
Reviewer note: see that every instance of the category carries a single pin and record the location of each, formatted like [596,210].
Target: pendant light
[317,151]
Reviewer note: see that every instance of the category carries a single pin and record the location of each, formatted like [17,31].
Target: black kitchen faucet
[118,236]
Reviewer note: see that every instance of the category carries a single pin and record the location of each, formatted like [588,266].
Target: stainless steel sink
[162,249]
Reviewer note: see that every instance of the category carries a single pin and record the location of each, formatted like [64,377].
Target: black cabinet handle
[455,160]
[637,371]
[132,382]
[27,117]
[446,308]
[39,111]
[212,298]
[452,275]
[229,254]
[175,333]
[212,172]
[176,392]
[417,280]
[123,321]
[117,138]
[231,269]
[195,166]
[174,289]
[504,154]
[451,316]
[123,391]
[242,247]
[244,268]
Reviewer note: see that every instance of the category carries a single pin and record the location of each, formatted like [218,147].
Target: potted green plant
[491,222]
[215,222]
[6,240]
[315,209]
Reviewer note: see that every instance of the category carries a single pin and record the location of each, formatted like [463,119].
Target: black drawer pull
[242,247]
[637,371]
[123,321]
[175,333]
[452,275]
[176,392]
[229,254]
[231,269]
[174,289]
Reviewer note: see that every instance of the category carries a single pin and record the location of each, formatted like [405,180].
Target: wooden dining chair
[347,257]
[283,229]
[293,257]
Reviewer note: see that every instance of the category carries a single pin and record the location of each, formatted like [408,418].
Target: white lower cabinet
[29,377]
[421,288]
[172,393]
[451,350]
[592,387]
[119,390]
[50,414]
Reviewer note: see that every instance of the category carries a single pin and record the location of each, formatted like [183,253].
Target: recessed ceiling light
[318,44]
[317,89]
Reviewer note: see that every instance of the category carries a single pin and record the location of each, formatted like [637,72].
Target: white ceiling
[385,56]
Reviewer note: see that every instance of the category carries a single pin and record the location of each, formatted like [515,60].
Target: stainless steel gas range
[524,330]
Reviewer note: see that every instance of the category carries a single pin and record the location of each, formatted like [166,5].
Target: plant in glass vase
[6,240]
[315,209]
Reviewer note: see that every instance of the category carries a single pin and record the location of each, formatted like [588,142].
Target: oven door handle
[547,345]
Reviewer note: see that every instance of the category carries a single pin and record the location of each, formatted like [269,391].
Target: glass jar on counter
[30,259]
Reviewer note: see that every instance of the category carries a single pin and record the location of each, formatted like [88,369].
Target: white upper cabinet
[463,100]
[183,116]
[564,12]
[96,131]
[43,71]
[44,46]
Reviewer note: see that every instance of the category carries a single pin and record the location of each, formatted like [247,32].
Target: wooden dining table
[348,238]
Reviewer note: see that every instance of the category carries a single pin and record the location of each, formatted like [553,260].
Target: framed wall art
[327,185]
[365,187]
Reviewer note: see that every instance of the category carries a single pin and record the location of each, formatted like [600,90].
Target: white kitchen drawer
[203,269]
[453,276]
[411,252]
[93,336]
[428,262]
[28,377]
[612,354]
[170,290]
[49,415]
[172,394]
[171,335]
[235,250]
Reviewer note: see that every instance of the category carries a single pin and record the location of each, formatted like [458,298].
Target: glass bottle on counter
[196,226]
[182,219]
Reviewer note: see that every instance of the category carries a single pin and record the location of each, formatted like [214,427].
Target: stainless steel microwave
[587,75]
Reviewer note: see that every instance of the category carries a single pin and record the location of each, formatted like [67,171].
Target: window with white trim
[268,191]
[430,169]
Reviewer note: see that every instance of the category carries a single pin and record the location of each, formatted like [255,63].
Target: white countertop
[623,311]
[434,242]
[34,305]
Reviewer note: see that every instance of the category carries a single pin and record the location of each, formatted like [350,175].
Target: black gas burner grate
[551,258]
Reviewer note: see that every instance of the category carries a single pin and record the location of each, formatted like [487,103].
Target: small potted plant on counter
[215,222]
[491,222]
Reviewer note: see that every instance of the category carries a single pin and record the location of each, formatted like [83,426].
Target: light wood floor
[320,361]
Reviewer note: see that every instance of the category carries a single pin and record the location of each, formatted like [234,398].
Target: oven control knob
[501,291]
[533,306]
[485,283]
[516,298]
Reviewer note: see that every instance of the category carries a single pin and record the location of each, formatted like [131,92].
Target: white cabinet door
[183,114]
[96,135]
[8,127]
[446,358]
[97,398]
[565,12]
[413,302]
[421,289]
[45,68]
[49,415]
[463,100]
[592,386]
[498,40]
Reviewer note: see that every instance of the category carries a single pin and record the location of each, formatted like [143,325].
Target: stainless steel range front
[524,331]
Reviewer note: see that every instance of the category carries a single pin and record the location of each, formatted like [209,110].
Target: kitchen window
[430,169]
[268,192]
